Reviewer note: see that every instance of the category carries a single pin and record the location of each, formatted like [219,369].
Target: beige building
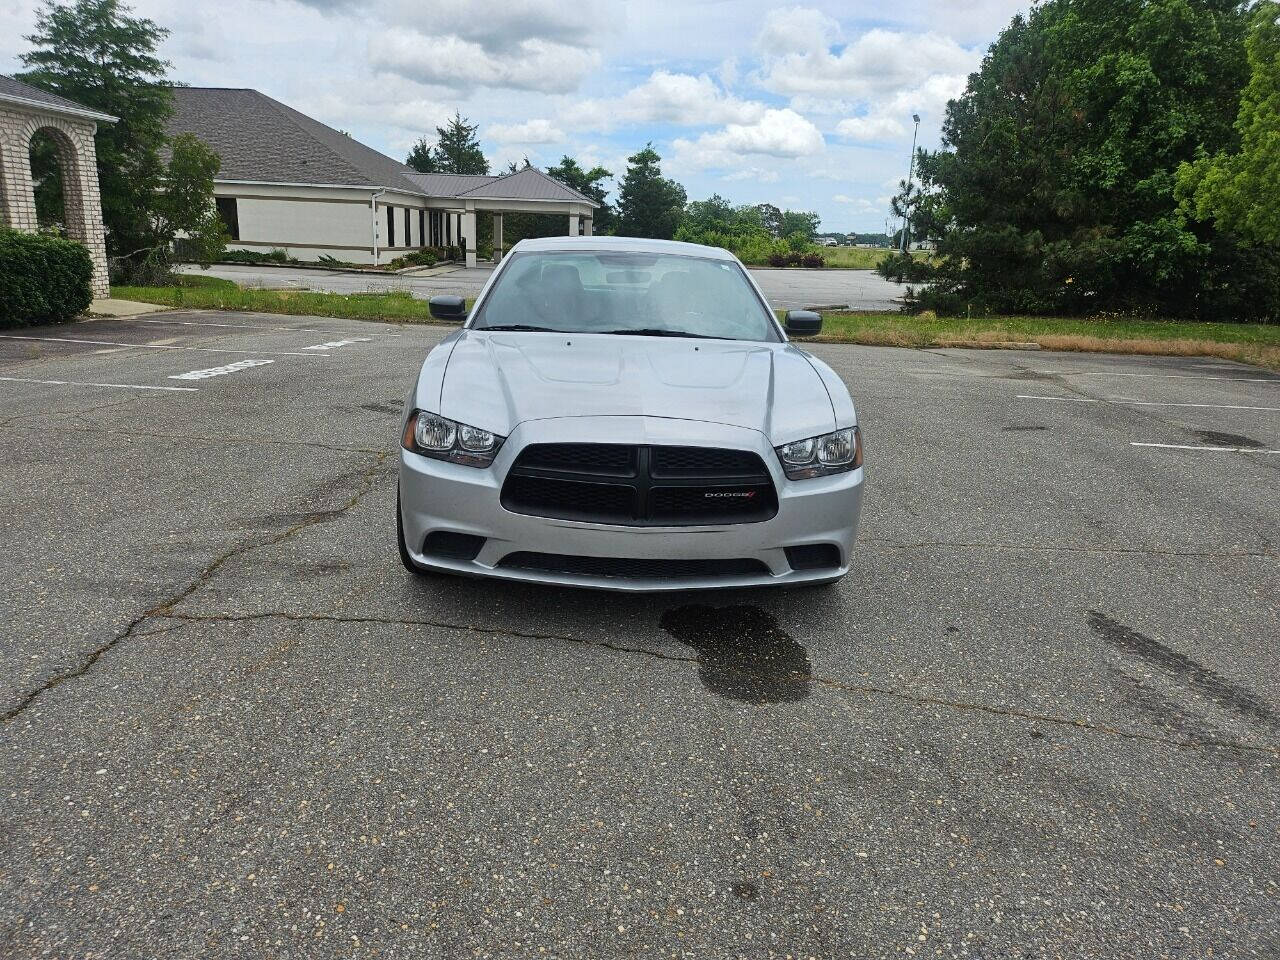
[290,183]
[26,111]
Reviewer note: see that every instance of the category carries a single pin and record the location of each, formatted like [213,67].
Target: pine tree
[456,150]
[649,205]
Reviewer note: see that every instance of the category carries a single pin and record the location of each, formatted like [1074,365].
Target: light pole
[911,170]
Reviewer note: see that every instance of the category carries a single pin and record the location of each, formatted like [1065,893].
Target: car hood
[496,381]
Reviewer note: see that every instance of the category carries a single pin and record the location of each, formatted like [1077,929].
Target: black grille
[698,461]
[604,458]
[626,568]
[640,485]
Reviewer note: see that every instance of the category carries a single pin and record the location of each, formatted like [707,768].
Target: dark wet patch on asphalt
[1182,669]
[1028,428]
[745,890]
[742,653]
[379,408]
[1226,439]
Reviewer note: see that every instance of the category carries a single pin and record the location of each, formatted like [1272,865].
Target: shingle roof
[16,89]
[263,141]
[527,184]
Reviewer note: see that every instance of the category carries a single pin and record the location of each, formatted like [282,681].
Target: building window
[422,228]
[391,227]
[229,214]
[408,234]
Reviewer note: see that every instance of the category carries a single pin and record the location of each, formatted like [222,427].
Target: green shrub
[255,256]
[419,258]
[43,279]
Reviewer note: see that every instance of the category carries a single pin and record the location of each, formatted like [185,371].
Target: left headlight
[837,452]
[435,436]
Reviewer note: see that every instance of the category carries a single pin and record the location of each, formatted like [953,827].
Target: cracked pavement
[1040,718]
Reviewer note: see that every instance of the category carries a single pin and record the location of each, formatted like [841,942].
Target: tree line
[648,203]
[1109,156]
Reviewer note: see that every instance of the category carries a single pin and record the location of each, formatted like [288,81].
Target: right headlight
[435,436]
[837,452]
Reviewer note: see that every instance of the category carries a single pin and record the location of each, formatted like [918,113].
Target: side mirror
[802,323]
[448,308]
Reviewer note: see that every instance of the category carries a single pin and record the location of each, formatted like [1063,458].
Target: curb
[987,345]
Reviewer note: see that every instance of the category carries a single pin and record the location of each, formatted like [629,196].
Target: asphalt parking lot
[787,289]
[1040,718]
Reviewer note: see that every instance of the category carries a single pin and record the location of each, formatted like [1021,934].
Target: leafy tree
[591,184]
[95,53]
[184,203]
[1055,187]
[803,222]
[649,205]
[1230,188]
[771,217]
[456,150]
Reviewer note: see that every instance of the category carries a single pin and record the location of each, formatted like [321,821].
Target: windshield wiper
[521,328]
[658,332]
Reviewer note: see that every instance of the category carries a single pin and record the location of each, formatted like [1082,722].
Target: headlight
[435,436]
[830,453]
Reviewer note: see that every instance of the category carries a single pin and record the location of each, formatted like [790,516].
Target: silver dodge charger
[628,415]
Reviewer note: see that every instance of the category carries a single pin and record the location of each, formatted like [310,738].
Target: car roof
[622,245]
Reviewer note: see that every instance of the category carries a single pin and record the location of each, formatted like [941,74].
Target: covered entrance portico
[526,191]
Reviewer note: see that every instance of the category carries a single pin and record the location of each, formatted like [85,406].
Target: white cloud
[871,128]
[530,131]
[801,55]
[779,133]
[862,205]
[753,174]
[448,61]
[506,26]
[681,99]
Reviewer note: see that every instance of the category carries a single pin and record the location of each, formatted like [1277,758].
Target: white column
[573,225]
[586,226]
[497,237]
[468,229]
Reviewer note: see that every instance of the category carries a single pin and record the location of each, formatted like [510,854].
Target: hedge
[43,279]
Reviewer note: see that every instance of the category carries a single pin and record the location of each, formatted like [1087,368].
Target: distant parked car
[627,414]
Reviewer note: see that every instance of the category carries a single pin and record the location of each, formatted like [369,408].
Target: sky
[805,107]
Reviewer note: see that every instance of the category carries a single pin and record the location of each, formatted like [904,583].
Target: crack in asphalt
[229,438]
[829,682]
[164,609]
[1071,548]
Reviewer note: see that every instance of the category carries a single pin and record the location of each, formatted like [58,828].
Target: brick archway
[77,158]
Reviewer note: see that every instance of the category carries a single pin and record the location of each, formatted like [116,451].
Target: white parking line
[249,326]
[1147,403]
[159,346]
[1178,446]
[219,371]
[1157,376]
[339,343]
[83,383]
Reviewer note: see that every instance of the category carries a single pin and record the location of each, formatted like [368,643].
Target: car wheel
[404,551]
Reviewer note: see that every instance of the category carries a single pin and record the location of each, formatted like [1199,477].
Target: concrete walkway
[111,307]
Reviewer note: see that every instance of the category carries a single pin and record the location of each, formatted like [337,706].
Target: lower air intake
[624,568]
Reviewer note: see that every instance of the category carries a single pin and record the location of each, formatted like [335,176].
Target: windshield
[644,294]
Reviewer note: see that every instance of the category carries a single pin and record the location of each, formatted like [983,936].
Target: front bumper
[436,496]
